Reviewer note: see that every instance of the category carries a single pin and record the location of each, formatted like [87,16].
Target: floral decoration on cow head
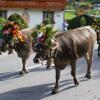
[43,34]
[10,34]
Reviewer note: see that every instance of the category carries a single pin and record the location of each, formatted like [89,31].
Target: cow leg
[88,58]
[55,90]
[73,72]
[24,68]
[49,63]
[10,50]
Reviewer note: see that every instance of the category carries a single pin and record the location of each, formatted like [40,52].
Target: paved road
[39,82]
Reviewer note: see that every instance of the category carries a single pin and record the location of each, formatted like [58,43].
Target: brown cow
[22,48]
[66,48]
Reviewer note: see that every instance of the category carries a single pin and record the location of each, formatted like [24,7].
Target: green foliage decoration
[48,32]
[2,22]
[17,18]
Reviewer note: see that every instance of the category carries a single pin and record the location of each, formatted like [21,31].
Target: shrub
[94,12]
[81,20]
[96,24]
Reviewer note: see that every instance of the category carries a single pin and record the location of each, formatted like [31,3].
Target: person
[65,25]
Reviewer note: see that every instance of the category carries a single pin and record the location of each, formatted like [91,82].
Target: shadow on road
[37,92]
[27,93]
[9,75]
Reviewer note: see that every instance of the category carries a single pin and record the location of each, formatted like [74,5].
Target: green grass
[85,3]
[69,15]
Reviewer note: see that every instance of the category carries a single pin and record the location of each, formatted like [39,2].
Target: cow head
[43,52]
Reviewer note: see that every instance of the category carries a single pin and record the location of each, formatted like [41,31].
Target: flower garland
[43,33]
[17,34]
[12,30]
[10,33]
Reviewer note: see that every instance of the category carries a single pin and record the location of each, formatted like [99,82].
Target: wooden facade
[37,4]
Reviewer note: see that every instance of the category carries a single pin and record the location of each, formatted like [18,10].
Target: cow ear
[54,44]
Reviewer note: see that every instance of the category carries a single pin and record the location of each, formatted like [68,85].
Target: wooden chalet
[35,10]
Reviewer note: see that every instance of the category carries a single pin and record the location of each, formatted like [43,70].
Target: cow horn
[54,44]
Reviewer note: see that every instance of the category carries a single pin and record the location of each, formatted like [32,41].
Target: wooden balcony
[38,4]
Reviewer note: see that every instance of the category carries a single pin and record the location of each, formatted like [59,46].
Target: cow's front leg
[73,72]
[24,68]
[55,90]
[49,63]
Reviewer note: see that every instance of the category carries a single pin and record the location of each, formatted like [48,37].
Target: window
[48,15]
[3,14]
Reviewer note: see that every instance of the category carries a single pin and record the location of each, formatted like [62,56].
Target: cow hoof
[21,72]
[76,83]
[47,67]
[26,71]
[54,91]
[88,76]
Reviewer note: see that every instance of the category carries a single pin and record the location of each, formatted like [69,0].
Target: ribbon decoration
[19,35]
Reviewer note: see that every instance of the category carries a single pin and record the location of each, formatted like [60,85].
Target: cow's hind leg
[55,90]
[24,68]
[88,58]
[73,72]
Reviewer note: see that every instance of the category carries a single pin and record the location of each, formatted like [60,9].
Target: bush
[81,20]
[94,12]
[84,7]
[17,18]
[96,24]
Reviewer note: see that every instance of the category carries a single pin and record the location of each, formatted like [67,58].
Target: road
[39,82]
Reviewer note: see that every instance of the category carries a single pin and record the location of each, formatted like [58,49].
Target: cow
[10,43]
[66,48]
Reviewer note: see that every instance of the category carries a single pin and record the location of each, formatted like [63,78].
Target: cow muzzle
[35,60]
